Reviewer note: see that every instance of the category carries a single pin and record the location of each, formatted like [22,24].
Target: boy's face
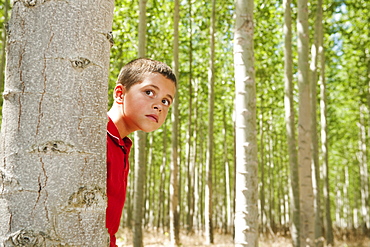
[145,105]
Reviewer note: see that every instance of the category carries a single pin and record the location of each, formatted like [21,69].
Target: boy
[144,91]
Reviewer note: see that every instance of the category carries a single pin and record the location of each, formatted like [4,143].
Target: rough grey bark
[140,146]
[53,135]
[208,205]
[307,214]
[246,178]
[290,123]
[174,180]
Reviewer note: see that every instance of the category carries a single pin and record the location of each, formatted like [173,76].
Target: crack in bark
[22,87]
[10,221]
[2,176]
[46,192]
[41,187]
[42,98]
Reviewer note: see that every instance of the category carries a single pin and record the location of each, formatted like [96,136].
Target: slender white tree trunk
[246,181]
[190,134]
[364,176]
[316,181]
[174,181]
[228,216]
[208,205]
[53,165]
[307,214]
[324,142]
[197,165]
[290,123]
[140,138]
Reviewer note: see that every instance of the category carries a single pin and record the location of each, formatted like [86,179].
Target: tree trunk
[315,145]
[161,194]
[149,185]
[190,134]
[246,180]
[270,179]
[197,165]
[324,143]
[290,124]
[307,214]
[140,146]
[262,173]
[140,174]
[209,162]
[364,176]
[53,163]
[174,183]
[228,216]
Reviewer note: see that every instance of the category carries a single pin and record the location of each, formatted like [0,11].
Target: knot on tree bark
[80,63]
[25,238]
[109,36]
[8,183]
[6,26]
[8,94]
[247,25]
[86,197]
[53,147]
[30,3]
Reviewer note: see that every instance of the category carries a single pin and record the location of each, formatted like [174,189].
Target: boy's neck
[116,118]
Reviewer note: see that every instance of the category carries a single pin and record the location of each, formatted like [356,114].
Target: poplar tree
[208,207]
[324,136]
[140,143]
[174,183]
[307,215]
[290,123]
[316,181]
[53,135]
[246,179]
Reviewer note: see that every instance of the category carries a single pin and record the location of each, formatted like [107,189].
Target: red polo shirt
[118,151]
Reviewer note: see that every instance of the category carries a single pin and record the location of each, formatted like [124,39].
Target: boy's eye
[149,92]
[166,102]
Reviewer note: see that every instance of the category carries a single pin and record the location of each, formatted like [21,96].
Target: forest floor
[159,239]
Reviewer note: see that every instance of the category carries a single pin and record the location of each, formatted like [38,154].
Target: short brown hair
[136,71]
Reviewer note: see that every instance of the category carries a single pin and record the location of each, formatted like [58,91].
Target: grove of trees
[308,100]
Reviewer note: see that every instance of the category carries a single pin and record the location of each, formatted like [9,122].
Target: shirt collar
[113,132]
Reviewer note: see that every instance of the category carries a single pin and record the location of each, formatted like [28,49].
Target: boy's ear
[119,93]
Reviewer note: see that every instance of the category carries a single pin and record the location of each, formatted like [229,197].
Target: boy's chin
[149,130]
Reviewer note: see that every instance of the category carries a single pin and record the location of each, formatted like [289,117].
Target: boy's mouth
[153,117]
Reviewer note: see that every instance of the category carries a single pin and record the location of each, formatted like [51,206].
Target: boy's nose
[157,108]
